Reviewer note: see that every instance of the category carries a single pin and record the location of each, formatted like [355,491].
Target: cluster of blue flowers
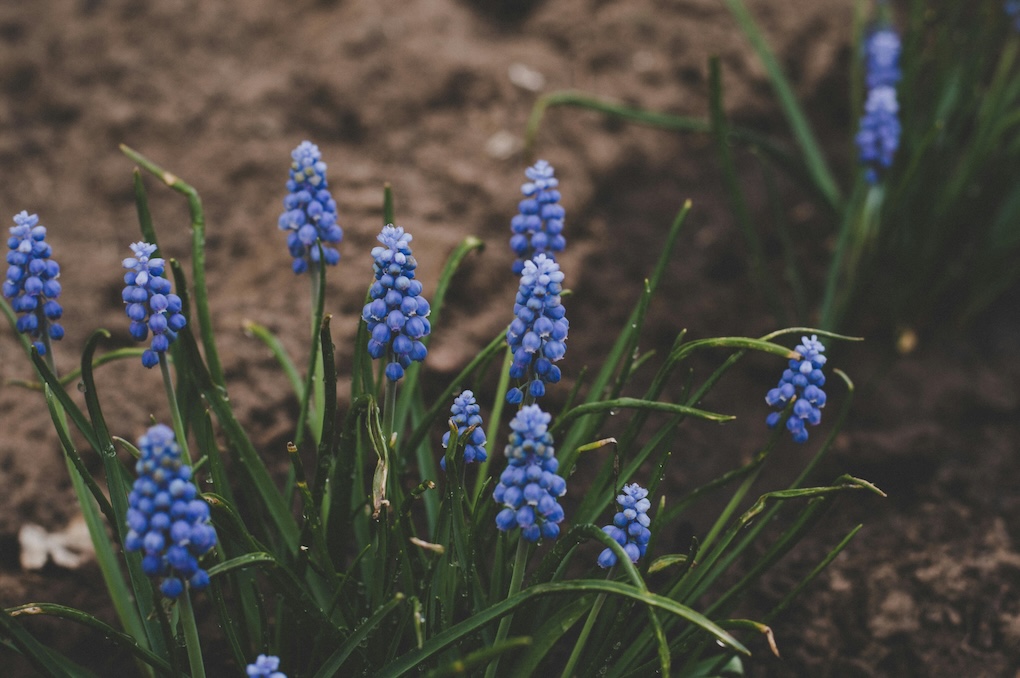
[630,525]
[538,227]
[466,414]
[150,304]
[529,487]
[31,282]
[537,335]
[803,381]
[265,666]
[397,316]
[309,210]
[879,134]
[166,519]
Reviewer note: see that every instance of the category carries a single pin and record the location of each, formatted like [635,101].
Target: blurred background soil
[433,96]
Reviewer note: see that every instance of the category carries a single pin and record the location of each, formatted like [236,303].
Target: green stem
[520,563]
[191,641]
[175,411]
[582,639]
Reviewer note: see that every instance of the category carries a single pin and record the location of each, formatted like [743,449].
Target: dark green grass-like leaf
[275,347]
[480,658]
[335,661]
[109,633]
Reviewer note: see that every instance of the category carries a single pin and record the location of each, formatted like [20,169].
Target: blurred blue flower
[309,211]
[529,487]
[166,520]
[630,525]
[265,666]
[537,336]
[1012,8]
[397,316]
[538,227]
[879,133]
[802,381]
[31,282]
[150,304]
[465,415]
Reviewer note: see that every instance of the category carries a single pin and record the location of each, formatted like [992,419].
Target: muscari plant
[370,558]
[923,225]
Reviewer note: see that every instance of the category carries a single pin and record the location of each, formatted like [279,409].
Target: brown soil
[420,94]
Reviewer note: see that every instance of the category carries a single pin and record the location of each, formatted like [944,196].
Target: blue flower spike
[538,226]
[1012,9]
[630,525]
[801,382]
[150,304]
[466,413]
[31,282]
[879,133]
[529,487]
[309,211]
[265,666]
[537,336]
[397,316]
[166,519]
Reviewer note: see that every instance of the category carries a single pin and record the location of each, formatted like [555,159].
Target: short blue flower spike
[31,282]
[538,227]
[537,336]
[465,412]
[879,133]
[630,525]
[802,381]
[529,487]
[149,303]
[166,519]
[397,316]
[309,211]
[265,666]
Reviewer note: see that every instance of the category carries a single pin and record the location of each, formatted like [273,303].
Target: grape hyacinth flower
[802,381]
[538,227]
[465,412]
[538,334]
[309,210]
[31,282]
[630,525]
[150,304]
[397,316]
[265,666]
[879,133]
[166,520]
[529,487]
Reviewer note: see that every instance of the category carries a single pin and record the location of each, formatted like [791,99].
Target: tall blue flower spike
[529,487]
[166,520]
[538,333]
[397,316]
[465,412]
[309,211]
[150,304]
[802,381]
[265,666]
[630,525]
[31,282]
[879,133]
[538,226]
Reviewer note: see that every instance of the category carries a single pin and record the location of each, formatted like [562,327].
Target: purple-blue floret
[31,283]
[879,134]
[149,303]
[529,487]
[802,382]
[630,525]
[537,336]
[538,226]
[466,414]
[265,666]
[309,211]
[166,519]
[397,314]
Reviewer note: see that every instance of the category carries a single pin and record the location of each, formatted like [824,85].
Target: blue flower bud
[309,215]
[31,282]
[538,226]
[630,525]
[801,382]
[879,134]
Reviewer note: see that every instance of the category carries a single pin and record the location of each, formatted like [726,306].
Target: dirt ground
[433,97]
